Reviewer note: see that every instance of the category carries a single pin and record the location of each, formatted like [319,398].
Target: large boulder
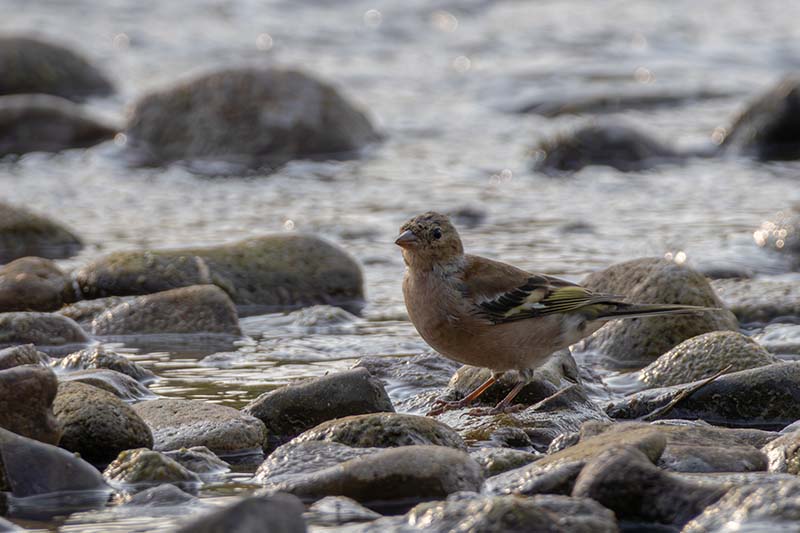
[705,355]
[185,423]
[261,274]
[251,117]
[100,357]
[638,341]
[42,123]
[195,309]
[97,424]
[33,284]
[614,145]
[769,128]
[290,410]
[41,329]
[275,513]
[24,233]
[30,65]
[26,402]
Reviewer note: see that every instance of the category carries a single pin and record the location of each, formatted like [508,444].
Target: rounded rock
[275,513]
[23,233]
[99,357]
[147,467]
[33,284]
[22,354]
[120,385]
[41,329]
[26,402]
[199,460]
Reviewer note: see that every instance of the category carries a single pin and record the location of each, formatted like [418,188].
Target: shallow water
[436,77]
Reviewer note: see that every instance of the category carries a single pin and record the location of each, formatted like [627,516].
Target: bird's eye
[437,233]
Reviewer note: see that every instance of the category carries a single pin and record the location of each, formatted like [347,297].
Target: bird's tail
[626,310]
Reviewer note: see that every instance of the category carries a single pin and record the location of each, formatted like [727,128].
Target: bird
[485,313]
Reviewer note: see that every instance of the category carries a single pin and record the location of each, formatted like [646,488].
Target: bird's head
[429,239]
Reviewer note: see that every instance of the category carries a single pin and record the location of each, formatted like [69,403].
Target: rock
[290,410]
[614,145]
[41,329]
[250,117]
[23,233]
[275,513]
[263,274]
[538,424]
[425,371]
[99,357]
[120,385]
[97,424]
[625,481]
[578,515]
[33,284]
[337,511]
[782,234]
[146,467]
[407,472]
[384,430]
[29,65]
[760,300]
[703,356]
[161,496]
[199,460]
[638,341]
[26,402]
[43,123]
[85,311]
[495,461]
[697,446]
[772,507]
[196,309]
[556,473]
[297,459]
[23,354]
[783,453]
[768,128]
[767,397]
[185,423]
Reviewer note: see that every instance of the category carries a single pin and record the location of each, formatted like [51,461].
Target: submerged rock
[495,461]
[199,459]
[97,424]
[26,402]
[30,65]
[769,128]
[195,309]
[274,513]
[161,496]
[705,355]
[298,459]
[338,510]
[613,145]
[23,233]
[625,481]
[252,117]
[23,354]
[261,274]
[43,123]
[761,300]
[120,385]
[185,423]
[33,284]
[290,410]
[99,357]
[147,467]
[407,472]
[638,341]
[41,329]
[384,430]
[767,397]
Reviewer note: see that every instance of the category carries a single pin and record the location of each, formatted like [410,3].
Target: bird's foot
[497,410]
[442,406]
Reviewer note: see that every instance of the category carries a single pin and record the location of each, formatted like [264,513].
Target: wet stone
[275,513]
[761,300]
[26,402]
[99,357]
[199,460]
[33,284]
[705,355]
[120,385]
[23,354]
[425,371]
[338,510]
[96,424]
[40,329]
[262,274]
[495,461]
[43,123]
[185,423]
[196,309]
[406,473]
[147,467]
[639,341]
[384,430]
[23,233]
[290,410]
[783,453]
[85,311]
[166,495]
[297,459]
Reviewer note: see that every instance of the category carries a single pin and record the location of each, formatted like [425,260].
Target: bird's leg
[443,405]
[504,406]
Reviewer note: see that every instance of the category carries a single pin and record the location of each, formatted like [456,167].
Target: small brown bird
[490,314]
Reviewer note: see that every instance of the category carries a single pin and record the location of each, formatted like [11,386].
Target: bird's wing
[503,293]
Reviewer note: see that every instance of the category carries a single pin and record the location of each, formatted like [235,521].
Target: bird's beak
[407,239]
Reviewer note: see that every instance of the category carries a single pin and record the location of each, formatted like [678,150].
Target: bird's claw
[442,406]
